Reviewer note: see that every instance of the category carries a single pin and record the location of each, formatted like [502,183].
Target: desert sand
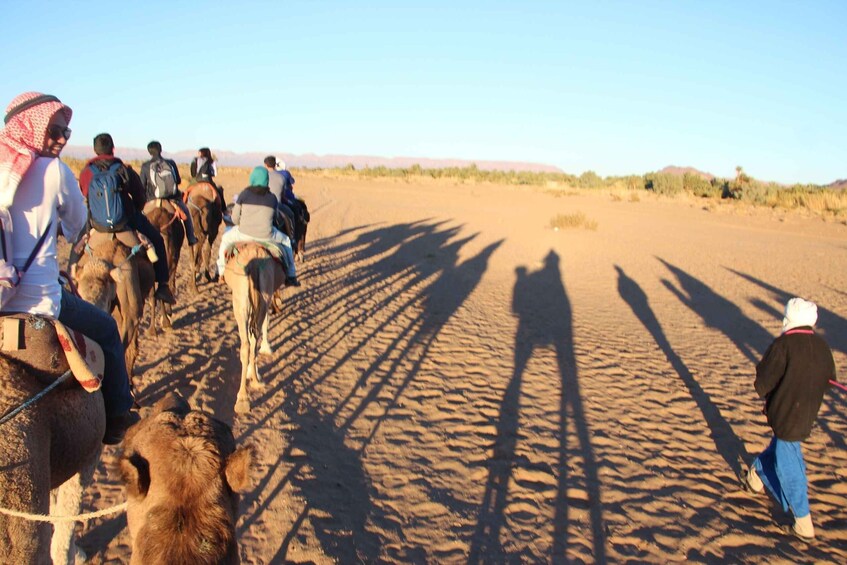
[458,382]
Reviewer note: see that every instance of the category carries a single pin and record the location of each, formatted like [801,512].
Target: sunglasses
[58,132]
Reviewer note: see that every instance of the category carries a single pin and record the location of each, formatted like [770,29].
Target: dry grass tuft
[575,220]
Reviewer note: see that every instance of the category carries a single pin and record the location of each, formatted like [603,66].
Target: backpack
[10,276]
[162,177]
[106,208]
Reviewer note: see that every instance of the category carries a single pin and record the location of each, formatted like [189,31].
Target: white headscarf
[798,313]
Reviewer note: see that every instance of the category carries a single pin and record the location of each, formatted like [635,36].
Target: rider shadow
[544,320]
[331,479]
[727,443]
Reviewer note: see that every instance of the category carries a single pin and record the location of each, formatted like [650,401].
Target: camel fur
[206,213]
[163,215]
[116,285]
[54,444]
[253,275]
[182,473]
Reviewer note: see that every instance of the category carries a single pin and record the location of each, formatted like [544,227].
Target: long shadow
[729,446]
[719,313]
[545,319]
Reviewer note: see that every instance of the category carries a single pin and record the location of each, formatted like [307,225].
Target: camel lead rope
[78,518]
[11,414]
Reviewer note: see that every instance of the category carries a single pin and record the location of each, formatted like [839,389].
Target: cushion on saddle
[167,205]
[24,339]
[243,248]
[203,188]
[84,355]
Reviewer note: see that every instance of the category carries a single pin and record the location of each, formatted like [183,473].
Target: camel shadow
[544,313]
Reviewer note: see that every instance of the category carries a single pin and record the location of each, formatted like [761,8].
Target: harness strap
[15,411]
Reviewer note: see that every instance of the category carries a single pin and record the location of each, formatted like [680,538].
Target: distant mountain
[312,161]
[840,184]
[680,171]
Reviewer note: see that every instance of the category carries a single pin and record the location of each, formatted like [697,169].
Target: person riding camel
[160,179]
[133,198]
[39,192]
[253,216]
[203,169]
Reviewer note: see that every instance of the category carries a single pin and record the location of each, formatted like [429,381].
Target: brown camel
[182,471]
[163,215]
[53,444]
[253,275]
[206,213]
[300,230]
[111,264]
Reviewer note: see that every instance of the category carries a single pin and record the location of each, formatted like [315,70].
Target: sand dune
[456,382]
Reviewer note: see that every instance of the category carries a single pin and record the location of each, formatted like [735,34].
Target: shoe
[163,293]
[804,529]
[752,483]
[292,281]
[116,427]
[192,241]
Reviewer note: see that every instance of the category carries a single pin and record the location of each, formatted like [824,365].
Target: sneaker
[192,241]
[116,427]
[292,281]
[752,482]
[163,293]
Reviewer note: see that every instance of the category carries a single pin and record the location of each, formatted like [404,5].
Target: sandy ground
[456,382]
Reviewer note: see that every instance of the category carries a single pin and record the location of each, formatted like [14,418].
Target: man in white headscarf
[792,377]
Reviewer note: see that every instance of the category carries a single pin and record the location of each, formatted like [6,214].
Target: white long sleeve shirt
[48,191]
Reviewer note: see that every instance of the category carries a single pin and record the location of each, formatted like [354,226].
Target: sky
[612,87]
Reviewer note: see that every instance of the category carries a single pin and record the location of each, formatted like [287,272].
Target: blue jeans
[84,317]
[783,471]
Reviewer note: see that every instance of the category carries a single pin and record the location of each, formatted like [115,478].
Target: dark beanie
[154,148]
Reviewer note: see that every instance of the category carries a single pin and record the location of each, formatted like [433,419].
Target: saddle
[36,342]
[246,251]
[129,238]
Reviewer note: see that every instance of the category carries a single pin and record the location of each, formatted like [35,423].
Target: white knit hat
[799,312]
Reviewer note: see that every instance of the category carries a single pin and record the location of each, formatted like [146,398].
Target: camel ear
[238,468]
[172,402]
[135,473]
[116,274]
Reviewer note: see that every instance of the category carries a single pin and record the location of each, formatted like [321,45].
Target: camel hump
[48,349]
[247,251]
[128,238]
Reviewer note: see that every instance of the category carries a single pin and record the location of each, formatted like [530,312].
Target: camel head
[182,473]
[97,283]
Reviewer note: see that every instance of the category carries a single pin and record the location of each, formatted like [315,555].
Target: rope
[50,518]
[11,414]
[135,249]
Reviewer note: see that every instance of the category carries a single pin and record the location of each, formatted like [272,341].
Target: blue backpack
[106,208]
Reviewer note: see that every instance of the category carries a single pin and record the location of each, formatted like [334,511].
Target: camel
[116,281]
[253,275]
[165,217]
[182,473]
[300,230]
[206,213]
[53,444]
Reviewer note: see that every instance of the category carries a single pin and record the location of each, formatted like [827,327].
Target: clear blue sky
[614,87]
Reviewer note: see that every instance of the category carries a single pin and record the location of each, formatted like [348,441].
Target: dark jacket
[133,193]
[203,173]
[147,182]
[793,376]
[254,212]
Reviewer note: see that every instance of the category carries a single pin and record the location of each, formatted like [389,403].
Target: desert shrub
[663,183]
[698,186]
[575,220]
[589,179]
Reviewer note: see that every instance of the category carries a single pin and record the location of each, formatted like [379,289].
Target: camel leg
[242,400]
[196,258]
[67,501]
[153,329]
[266,345]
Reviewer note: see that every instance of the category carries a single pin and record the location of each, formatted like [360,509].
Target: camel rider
[133,198]
[40,191]
[160,179]
[203,168]
[253,216]
[276,183]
